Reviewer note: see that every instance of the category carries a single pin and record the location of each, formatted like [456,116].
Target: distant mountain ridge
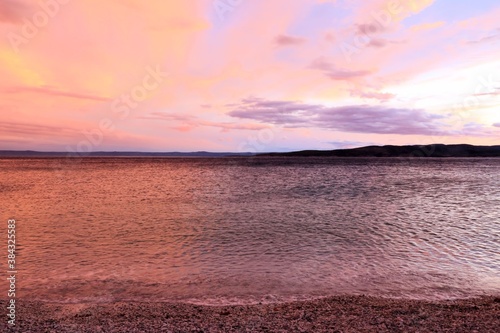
[31,153]
[434,150]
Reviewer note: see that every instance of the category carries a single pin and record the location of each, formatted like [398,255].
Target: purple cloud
[366,29]
[496,124]
[475,129]
[334,73]
[346,74]
[355,118]
[322,64]
[378,42]
[287,40]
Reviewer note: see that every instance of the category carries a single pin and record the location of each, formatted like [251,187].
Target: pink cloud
[53,93]
[377,42]
[383,97]
[487,39]
[330,37]
[335,73]
[188,122]
[287,40]
[33,130]
[12,11]
[369,28]
[493,93]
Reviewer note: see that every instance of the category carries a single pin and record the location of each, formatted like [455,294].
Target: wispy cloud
[475,129]
[491,38]
[287,40]
[369,28]
[491,93]
[334,73]
[354,118]
[186,123]
[427,26]
[383,97]
[53,92]
[378,42]
[33,130]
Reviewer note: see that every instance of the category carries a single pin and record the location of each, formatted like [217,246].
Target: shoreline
[332,314]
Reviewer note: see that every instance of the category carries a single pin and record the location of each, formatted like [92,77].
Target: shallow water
[221,231]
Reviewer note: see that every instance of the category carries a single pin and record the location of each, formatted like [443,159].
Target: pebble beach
[336,314]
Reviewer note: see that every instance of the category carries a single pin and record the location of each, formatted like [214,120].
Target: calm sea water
[248,230]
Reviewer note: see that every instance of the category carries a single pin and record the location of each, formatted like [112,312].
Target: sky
[247,75]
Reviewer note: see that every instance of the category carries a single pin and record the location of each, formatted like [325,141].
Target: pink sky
[247,75]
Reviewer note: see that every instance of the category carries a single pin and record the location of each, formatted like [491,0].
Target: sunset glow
[247,75]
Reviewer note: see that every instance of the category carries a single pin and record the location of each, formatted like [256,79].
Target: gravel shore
[336,314]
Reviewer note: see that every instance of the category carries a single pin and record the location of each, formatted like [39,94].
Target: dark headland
[434,150]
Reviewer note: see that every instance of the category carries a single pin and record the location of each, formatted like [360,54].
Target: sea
[249,230]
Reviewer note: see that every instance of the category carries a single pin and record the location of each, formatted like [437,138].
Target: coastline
[333,314]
